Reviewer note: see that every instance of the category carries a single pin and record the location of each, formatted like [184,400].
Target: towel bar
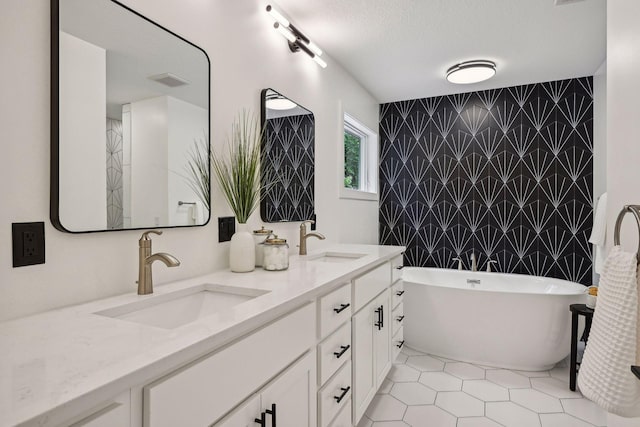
[635,210]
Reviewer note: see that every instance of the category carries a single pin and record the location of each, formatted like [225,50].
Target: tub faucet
[145,260]
[474,263]
[304,236]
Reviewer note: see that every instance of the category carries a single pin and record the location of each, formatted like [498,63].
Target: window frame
[368,178]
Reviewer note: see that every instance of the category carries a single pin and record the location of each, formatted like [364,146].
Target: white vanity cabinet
[287,401]
[371,350]
[116,413]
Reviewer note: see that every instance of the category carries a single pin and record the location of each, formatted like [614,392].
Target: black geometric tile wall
[506,174]
[114,174]
[289,155]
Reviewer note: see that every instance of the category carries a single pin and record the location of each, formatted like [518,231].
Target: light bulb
[319,61]
[285,32]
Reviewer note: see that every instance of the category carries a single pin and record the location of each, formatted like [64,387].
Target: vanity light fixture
[471,71]
[297,40]
[275,101]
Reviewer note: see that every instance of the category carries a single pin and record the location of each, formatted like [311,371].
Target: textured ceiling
[401,49]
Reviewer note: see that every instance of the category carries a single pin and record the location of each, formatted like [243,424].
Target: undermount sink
[178,308]
[335,257]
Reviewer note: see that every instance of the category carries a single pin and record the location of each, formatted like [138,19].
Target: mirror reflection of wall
[133,103]
[288,156]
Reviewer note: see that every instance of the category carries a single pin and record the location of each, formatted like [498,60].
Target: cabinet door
[244,416]
[382,337]
[294,396]
[364,378]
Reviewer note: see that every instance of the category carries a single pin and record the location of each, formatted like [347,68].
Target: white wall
[83,112]
[246,55]
[623,127]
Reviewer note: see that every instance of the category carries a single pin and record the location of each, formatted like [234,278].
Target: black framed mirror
[130,116]
[288,153]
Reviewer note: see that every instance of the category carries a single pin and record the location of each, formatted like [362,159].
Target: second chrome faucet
[146,259]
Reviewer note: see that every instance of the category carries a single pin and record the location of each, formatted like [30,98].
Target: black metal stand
[577,310]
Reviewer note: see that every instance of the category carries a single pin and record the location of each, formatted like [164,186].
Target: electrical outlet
[28,243]
[226,228]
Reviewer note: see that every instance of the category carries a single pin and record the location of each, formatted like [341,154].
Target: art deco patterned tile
[511,415]
[425,363]
[417,416]
[400,373]
[385,408]
[460,404]
[554,387]
[562,420]
[508,379]
[535,400]
[477,422]
[465,371]
[413,393]
[586,410]
[441,381]
[485,390]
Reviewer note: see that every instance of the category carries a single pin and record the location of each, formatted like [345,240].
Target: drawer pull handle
[342,308]
[400,293]
[380,312]
[400,267]
[344,390]
[400,318]
[400,344]
[262,420]
[343,349]
[272,412]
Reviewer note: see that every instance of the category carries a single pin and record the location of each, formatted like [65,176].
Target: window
[360,161]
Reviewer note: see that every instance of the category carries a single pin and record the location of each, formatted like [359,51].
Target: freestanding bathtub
[495,319]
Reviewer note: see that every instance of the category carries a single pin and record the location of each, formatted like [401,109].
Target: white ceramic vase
[242,255]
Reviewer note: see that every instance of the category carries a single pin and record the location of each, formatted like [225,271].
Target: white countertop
[72,356]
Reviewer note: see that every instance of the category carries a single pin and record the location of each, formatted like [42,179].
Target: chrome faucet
[145,259]
[304,236]
[474,263]
[459,262]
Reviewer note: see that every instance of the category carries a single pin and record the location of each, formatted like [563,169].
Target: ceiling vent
[169,79]
[564,2]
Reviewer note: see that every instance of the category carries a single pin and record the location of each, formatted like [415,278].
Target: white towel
[197,214]
[599,233]
[605,376]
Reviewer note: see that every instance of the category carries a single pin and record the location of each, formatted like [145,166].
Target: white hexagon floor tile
[465,371]
[533,374]
[460,404]
[485,390]
[390,424]
[425,363]
[413,394]
[561,420]
[586,410]
[403,373]
[511,415]
[441,381]
[477,422]
[535,400]
[508,379]
[555,387]
[418,416]
[385,408]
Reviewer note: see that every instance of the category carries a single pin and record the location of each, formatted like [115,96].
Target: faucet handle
[145,235]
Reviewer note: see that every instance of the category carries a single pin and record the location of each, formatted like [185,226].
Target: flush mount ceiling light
[278,102]
[471,72]
[297,40]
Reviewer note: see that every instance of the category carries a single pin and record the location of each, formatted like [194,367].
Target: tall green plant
[237,167]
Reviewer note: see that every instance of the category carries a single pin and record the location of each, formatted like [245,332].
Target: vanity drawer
[343,419]
[396,268]
[397,343]
[115,414]
[202,392]
[335,309]
[333,396]
[397,318]
[397,293]
[333,352]
[370,284]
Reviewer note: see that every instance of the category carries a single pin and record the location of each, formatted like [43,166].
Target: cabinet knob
[341,308]
[343,349]
[344,390]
